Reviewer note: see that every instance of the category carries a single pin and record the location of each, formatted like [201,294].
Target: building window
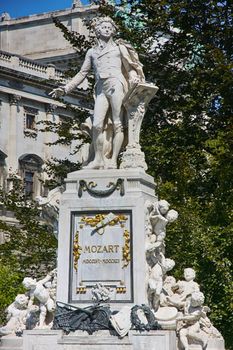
[30,168]
[30,115]
[28,183]
[30,121]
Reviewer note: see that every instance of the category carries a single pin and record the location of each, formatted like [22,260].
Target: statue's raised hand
[58,92]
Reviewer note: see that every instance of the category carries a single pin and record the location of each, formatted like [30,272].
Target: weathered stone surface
[102,340]
[122,242]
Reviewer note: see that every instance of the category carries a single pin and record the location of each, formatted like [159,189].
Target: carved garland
[84,186]
[126,249]
[76,250]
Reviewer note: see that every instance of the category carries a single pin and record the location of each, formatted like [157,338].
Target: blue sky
[20,8]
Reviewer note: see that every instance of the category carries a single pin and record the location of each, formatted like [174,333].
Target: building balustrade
[28,66]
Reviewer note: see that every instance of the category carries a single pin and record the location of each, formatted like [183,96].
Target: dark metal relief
[89,187]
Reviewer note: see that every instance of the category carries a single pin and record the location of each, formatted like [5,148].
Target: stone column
[49,137]
[12,159]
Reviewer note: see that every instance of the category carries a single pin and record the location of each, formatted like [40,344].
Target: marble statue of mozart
[116,67]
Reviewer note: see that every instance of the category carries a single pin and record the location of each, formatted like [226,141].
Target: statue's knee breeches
[43,309]
[97,127]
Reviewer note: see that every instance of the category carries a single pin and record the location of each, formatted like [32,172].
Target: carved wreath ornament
[138,324]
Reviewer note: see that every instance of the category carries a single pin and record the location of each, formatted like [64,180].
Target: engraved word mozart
[101,248]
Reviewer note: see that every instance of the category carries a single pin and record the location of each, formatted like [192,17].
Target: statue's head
[169,280]
[189,274]
[104,26]
[172,215]
[29,283]
[149,205]
[163,206]
[21,301]
[169,264]
[197,299]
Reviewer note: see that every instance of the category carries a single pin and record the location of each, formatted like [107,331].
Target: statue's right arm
[81,75]
[76,80]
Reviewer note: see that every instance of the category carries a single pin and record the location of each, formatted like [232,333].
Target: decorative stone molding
[50,108]
[31,110]
[84,186]
[133,157]
[30,133]
[14,99]
[16,84]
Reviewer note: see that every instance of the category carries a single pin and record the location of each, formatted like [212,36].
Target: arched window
[30,170]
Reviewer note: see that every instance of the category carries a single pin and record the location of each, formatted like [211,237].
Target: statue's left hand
[134,80]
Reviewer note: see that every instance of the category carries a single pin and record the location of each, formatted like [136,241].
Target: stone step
[10,348]
[11,343]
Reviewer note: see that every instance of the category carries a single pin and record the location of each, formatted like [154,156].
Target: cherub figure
[158,267]
[191,331]
[167,291]
[148,208]
[207,326]
[183,289]
[16,315]
[160,216]
[39,291]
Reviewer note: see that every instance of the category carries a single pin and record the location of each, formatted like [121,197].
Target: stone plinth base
[90,250]
[153,340]
[101,340]
[213,344]
[11,342]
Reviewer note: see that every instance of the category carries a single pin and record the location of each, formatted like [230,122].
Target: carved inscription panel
[101,251]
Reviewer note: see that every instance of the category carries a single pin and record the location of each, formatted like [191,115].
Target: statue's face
[21,300]
[29,283]
[163,207]
[197,299]
[106,30]
[189,274]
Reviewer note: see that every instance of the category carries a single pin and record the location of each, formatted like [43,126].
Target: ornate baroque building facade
[33,54]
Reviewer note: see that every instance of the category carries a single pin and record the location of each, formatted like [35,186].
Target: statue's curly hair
[97,21]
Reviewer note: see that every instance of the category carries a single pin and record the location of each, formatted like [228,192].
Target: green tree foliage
[68,130]
[186,49]
[187,136]
[10,286]
[30,247]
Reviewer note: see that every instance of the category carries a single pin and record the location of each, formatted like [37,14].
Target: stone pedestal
[11,342]
[101,340]
[101,236]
